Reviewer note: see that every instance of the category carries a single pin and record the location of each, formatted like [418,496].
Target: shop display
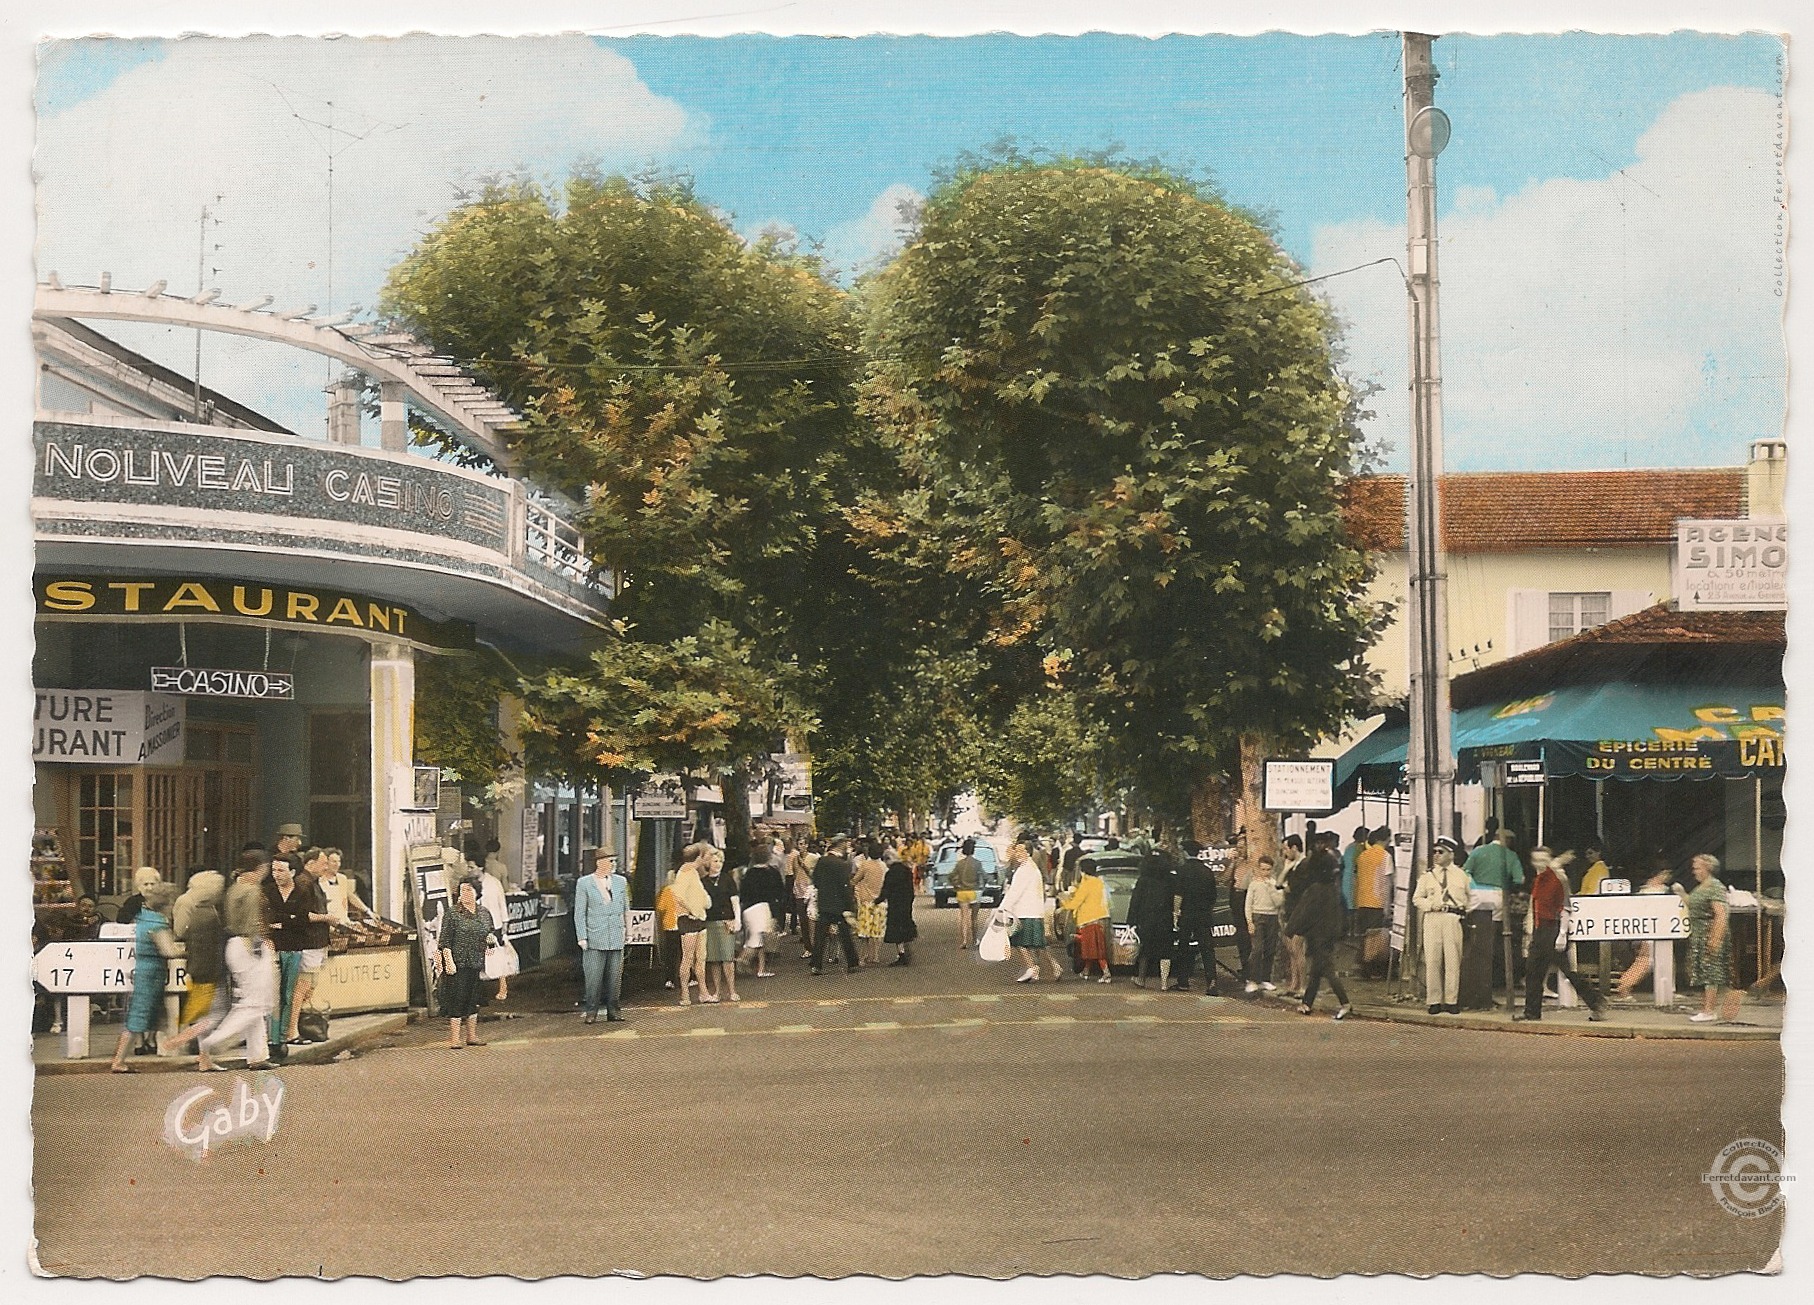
[369,932]
[50,872]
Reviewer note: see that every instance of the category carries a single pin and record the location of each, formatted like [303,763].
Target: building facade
[229,615]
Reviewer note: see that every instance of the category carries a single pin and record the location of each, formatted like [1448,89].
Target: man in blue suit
[601,907]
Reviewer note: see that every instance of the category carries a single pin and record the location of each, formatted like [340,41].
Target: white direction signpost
[79,970]
[1656,918]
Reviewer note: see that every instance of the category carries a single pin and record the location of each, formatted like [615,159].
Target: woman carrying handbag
[1025,901]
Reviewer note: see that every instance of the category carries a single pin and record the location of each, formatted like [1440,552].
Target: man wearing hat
[1441,899]
[289,838]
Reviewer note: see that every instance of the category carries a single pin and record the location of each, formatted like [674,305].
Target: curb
[1545,1028]
[314,1054]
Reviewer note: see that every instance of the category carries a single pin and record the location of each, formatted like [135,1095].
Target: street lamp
[1430,766]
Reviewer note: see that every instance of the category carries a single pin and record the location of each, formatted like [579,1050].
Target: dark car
[1119,870]
[988,882]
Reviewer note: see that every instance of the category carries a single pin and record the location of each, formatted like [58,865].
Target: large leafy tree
[1131,434]
[697,393]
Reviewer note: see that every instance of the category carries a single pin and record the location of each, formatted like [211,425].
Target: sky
[1610,229]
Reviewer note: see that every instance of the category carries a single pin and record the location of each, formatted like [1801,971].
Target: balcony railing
[557,546]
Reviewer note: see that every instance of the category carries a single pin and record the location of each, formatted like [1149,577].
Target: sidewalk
[1760,1019]
[544,999]
[344,1034]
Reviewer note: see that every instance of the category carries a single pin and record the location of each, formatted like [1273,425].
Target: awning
[1376,763]
[1604,731]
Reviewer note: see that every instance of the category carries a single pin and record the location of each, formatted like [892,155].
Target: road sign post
[79,970]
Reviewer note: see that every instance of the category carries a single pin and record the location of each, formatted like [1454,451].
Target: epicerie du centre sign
[1731,566]
[221,471]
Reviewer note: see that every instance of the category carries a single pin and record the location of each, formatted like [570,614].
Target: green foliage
[912,744]
[1049,766]
[1130,437]
[698,394]
[693,703]
[456,714]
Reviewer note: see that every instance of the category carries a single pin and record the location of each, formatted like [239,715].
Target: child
[1265,899]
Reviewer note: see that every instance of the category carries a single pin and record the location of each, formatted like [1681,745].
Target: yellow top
[1590,882]
[1089,901]
[1369,876]
[667,910]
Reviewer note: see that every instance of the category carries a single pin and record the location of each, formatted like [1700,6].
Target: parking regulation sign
[1303,785]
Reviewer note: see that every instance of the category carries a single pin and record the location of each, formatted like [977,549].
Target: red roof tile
[1511,511]
[1658,642]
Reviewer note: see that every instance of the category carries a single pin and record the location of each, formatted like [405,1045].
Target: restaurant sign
[107,727]
[193,598]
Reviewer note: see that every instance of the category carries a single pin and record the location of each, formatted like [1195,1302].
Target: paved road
[896,1129]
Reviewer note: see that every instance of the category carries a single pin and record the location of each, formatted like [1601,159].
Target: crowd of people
[253,949]
[715,924]
[255,945]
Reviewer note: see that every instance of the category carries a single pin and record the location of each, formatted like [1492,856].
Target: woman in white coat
[1025,900]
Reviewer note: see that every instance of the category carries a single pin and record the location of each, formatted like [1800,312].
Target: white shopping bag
[994,945]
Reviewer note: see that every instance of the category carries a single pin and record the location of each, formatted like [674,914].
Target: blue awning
[1611,731]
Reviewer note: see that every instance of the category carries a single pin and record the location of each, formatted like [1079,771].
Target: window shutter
[1526,620]
[1627,601]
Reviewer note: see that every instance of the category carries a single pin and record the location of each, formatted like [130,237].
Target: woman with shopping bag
[1025,901]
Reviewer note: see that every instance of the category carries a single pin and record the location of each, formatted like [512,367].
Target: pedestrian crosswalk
[935,1013]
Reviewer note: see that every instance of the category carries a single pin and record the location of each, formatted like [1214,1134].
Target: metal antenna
[201,287]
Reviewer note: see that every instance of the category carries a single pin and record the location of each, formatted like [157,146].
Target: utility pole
[1431,765]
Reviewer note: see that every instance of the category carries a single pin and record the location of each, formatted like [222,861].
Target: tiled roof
[1663,624]
[1511,511]
[1656,643]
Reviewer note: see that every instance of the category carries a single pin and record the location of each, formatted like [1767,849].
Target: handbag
[312,1024]
[500,962]
[994,944]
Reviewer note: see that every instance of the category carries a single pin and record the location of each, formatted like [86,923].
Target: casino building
[230,614]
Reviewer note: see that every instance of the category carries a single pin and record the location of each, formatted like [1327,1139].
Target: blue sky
[1610,233]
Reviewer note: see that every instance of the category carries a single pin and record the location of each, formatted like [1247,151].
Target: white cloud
[1622,320]
[123,175]
[852,247]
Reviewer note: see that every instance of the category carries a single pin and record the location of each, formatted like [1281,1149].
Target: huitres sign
[1732,566]
[170,598]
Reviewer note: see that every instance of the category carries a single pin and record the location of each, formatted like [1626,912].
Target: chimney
[1765,476]
[343,409]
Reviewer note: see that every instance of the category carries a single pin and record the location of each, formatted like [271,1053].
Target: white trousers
[243,1021]
[1441,958]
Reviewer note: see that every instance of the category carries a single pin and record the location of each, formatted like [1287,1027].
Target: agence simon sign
[291,478]
[171,598]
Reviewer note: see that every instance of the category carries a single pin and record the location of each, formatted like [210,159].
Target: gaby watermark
[1747,1178]
[204,1119]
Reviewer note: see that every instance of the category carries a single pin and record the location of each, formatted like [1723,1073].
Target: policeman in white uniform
[1441,899]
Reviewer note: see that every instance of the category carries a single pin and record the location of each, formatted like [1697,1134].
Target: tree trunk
[737,816]
[1209,809]
[1261,826]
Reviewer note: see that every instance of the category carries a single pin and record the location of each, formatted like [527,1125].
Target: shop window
[104,831]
